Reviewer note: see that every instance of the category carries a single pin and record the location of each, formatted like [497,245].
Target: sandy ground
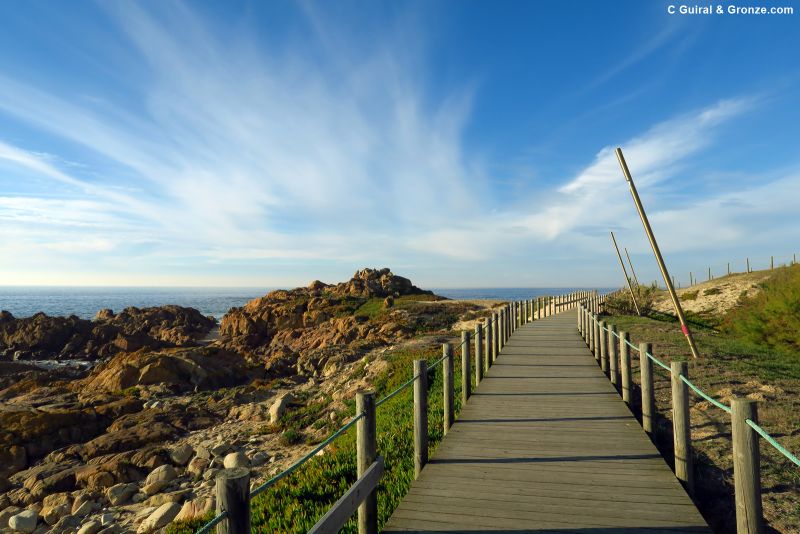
[717,295]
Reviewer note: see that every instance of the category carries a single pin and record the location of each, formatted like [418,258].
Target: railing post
[495,337]
[746,467]
[448,386]
[420,416]
[366,453]
[466,376]
[625,360]
[478,354]
[603,348]
[648,393]
[681,426]
[596,338]
[233,496]
[613,356]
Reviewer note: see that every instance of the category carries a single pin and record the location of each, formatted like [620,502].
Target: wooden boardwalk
[546,444]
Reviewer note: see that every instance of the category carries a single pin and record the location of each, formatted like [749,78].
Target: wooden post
[729,268]
[625,361]
[613,356]
[501,330]
[648,393]
[771,262]
[478,354]
[709,274]
[466,376]
[681,426]
[448,386]
[596,339]
[233,496]
[748,265]
[603,347]
[366,453]
[746,467]
[496,338]
[420,416]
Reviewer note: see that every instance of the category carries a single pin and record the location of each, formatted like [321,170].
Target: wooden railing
[490,336]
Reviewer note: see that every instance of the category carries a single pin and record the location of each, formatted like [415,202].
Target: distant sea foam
[85,302]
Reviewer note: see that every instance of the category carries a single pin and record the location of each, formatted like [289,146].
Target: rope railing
[500,321]
[769,439]
[746,461]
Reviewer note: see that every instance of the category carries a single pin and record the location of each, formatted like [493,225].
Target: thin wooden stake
[657,252]
[625,273]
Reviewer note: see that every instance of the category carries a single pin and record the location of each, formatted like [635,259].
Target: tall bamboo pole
[657,252]
[628,280]
[635,278]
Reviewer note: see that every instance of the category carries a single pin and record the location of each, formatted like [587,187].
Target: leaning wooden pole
[633,273]
[625,272]
[657,252]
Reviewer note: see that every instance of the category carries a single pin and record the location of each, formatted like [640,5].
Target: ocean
[85,302]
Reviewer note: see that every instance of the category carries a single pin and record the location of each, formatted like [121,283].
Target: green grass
[298,501]
[752,358]
[771,317]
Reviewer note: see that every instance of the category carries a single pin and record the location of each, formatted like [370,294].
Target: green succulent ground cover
[295,503]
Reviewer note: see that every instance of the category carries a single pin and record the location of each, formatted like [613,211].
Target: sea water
[85,302]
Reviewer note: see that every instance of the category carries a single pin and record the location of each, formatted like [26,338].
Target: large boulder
[180,369]
[284,324]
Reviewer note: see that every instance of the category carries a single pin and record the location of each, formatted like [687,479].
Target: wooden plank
[546,444]
[347,505]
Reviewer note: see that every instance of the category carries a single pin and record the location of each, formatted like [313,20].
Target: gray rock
[7,513]
[181,454]
[68,523]
[279,407]
[162,473]
[91,527]
[236,459]
[197,466]
[25,521]
[106,519]
[221,449]
[120,493]
[163,515]
[83,509]
[202,452]
[259,458]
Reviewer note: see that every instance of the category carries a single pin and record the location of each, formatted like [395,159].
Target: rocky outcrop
[292,331]
[44,337]
[177,369]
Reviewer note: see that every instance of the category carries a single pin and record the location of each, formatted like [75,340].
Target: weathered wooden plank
[546,443]
[347,505]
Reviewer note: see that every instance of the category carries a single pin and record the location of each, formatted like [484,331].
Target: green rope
[213,523]
[396,391]
[713,401]
[763,433]
[305,458]
[658,362]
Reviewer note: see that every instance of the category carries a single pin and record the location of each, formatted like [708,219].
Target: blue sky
[463,144]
